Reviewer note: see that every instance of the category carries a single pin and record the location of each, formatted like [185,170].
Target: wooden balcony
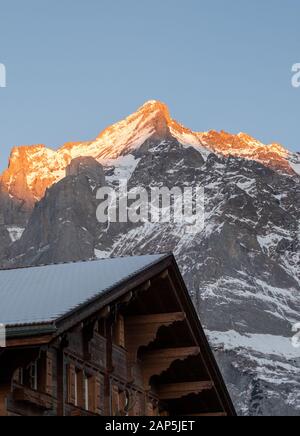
[97,351]
[119,362]
[41,400]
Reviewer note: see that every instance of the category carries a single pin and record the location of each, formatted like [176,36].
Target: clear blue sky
[75,66]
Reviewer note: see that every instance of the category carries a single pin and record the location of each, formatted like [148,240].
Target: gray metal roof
[43,294]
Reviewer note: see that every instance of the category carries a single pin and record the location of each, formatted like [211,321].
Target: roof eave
[30,330]
[200,333]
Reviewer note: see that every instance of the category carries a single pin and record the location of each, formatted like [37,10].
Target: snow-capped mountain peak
[33,169]
[244,146]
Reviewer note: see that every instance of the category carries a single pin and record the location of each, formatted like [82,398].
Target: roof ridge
[72,262]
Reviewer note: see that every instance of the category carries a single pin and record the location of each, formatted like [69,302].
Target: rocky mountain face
[63,225]
[242,269]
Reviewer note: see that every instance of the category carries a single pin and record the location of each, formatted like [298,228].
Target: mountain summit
[33,169]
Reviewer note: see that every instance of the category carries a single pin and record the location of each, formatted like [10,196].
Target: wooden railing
[27,395]
[119,362]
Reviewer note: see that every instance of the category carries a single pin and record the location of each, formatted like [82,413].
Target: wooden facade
[137,351]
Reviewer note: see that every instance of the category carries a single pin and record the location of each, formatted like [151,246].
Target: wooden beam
[162,318]
[157,361]
[104,313]
[208,359]
[179,390]
[164,275]
[170,353]
[127,298]
[142,330]
[25,342]
[146,286]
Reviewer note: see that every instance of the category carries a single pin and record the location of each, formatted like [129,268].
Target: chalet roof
[44,294]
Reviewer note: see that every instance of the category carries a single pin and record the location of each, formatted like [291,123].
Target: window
[38,375]
[33,375]
[93,390]
[90,394]
[27,377]
[18,376]
[86,392]
[75,384]
[21,376]
[76,388]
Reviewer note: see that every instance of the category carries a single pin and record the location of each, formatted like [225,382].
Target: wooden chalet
[115,337]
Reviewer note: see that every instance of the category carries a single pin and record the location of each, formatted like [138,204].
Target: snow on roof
[44,294]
